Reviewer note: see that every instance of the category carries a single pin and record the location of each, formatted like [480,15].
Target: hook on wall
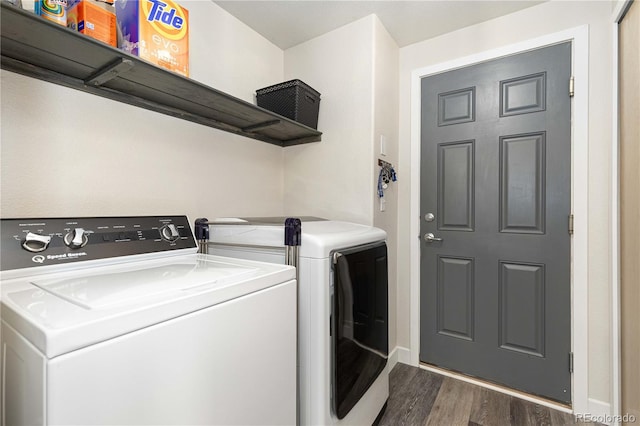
[387,174]
[384,164]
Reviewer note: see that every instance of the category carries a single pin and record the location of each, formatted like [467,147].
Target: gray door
[496,188]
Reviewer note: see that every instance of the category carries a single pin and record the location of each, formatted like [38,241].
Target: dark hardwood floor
[420,397]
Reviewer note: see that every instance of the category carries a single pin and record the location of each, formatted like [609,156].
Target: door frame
[621,7]
[579,36]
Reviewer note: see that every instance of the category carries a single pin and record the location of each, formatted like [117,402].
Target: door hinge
[571,87]
[570,224]
[570,362]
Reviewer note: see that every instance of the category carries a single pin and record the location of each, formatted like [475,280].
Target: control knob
[169,233]
[76,239]
[36,243]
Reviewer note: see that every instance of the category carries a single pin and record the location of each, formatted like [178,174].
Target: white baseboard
[393,359]
[398,355]
[404,355]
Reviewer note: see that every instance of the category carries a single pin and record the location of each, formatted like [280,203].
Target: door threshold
[498,388]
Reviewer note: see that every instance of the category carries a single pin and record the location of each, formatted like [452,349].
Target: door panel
[456,186]
[523,95]
[495,173]
[522,308]
[522,190]
[456,107]
[455,297]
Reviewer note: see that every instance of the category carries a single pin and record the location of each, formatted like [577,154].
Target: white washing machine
[119,321]
[342,309]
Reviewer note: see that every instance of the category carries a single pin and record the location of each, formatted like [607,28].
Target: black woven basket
[292,99]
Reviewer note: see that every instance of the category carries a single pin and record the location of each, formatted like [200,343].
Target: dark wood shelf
[37,48]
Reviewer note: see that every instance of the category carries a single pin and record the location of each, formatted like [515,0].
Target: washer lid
[125,284]
[65,311]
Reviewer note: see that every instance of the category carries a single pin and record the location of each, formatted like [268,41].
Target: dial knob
[76,238]
[35,242]
[169,232]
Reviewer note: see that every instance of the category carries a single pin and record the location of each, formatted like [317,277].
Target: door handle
[429,237]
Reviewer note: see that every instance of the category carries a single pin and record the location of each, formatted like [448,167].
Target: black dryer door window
[360,332]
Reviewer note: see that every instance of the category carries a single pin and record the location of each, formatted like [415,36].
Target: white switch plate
[383,145]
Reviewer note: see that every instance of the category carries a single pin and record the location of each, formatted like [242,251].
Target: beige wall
[68,153]
[630,210]
[533,22]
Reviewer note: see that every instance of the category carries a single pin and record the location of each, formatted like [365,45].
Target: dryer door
[360,336]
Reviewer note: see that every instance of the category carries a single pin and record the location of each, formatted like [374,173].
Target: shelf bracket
[259,126]
[109,72]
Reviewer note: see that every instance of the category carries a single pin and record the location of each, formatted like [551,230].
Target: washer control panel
[41,242]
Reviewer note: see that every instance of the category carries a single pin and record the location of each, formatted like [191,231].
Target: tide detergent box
[93,18]
[155,30]
[52,10]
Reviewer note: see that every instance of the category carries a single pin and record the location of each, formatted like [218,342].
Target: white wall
[533,22]
[228,55]
[385,122]
[355,68]
[333,178]
[68,153]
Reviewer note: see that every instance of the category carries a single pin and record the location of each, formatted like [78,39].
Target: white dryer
[342,310]
[119,321]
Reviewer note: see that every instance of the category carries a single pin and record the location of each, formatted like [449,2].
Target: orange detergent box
[155,30]
[94,18]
